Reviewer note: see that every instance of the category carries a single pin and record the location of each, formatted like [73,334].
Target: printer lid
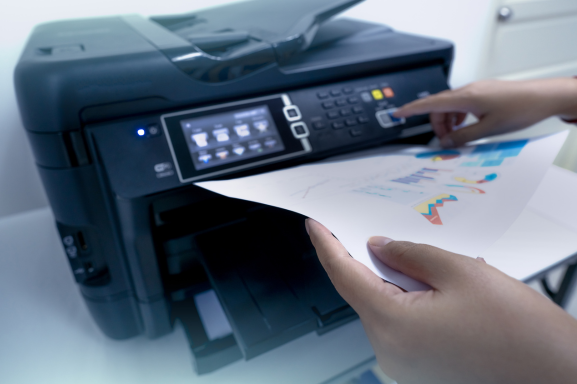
[232,41]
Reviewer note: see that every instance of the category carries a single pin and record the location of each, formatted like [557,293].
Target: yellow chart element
[377,94]
[429,208]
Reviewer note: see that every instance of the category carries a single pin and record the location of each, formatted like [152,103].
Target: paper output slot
[212,315]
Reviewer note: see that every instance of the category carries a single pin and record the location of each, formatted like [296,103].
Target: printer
[124,114]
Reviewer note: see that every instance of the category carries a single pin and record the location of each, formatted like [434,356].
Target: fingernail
[379,241]
[447,142]
[307,226]
[398,113]
[481,259]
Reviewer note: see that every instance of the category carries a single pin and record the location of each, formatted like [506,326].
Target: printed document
[461,200]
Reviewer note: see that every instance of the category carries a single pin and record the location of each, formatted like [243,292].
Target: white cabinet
[532,38]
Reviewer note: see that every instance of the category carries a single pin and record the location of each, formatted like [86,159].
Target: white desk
[47,335]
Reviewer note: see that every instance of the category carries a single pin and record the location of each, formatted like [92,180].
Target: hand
[500,107]
[477,325]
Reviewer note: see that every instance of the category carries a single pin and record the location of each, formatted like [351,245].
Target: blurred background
[508,39]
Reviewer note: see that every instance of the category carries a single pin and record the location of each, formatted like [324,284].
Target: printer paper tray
[268,280]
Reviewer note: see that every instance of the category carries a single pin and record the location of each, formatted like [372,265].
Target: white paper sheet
[460,200]
[554,197]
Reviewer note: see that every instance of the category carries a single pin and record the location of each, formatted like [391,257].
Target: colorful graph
[485,179]
[424,175]
[429,208]
[465,189]
[493,155]
[439,155]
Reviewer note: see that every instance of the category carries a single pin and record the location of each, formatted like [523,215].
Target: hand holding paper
[461,200]
[465,330]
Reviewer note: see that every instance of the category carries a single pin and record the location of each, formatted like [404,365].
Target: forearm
[560,94]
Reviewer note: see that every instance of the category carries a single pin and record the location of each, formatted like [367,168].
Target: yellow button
[377,94]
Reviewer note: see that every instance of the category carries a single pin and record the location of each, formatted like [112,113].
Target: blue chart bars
[493,155]
[424,175]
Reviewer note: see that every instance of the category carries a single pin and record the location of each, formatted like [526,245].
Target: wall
[464,22]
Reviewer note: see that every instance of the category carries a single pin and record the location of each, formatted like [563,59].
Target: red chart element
[429,208]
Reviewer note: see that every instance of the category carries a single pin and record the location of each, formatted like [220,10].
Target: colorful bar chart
[424,175]
[429,208]
[494,154]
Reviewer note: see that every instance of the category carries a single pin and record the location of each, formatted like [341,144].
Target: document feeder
[124,113]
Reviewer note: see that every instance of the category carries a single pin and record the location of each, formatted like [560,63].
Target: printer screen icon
[211,137]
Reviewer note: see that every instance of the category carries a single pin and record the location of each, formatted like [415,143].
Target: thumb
[431,265]
[356,283]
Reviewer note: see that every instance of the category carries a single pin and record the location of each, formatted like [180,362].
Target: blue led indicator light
[141,132]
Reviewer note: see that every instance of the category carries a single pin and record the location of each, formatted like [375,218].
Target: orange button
[388,92]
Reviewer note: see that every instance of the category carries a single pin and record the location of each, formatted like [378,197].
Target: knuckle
[329,265]
[424,248]
[477,88]
[469,92]
[401,249]
[336,271]
[407,250]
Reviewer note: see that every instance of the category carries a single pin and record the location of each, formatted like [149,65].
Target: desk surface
[47,335]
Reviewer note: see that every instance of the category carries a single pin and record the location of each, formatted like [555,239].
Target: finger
[425,263]
[485,127]
[446,101]
[357,284]
[460,118]
[438,124]
[450,121]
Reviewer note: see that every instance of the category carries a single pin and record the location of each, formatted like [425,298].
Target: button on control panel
[348,107]
[356,132]
[292,113]
[360,111]
[300,130]
[387,120]
[151,130]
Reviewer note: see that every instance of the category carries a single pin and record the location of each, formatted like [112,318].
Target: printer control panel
[344,109]
[154,153]
[220,139]
[361,111]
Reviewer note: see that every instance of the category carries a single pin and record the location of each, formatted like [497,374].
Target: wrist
[568,104]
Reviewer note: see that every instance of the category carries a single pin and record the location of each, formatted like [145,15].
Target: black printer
[124,113]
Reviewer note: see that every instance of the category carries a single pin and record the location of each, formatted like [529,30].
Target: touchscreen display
[229,137]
